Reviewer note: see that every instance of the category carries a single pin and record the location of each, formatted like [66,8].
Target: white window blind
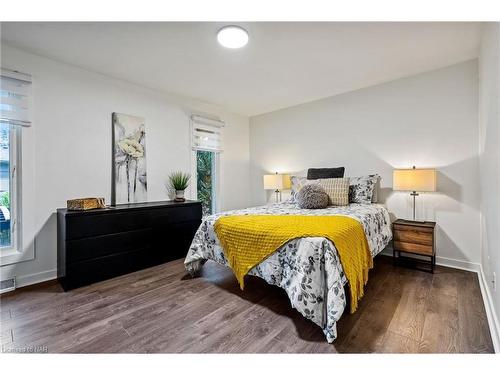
[207,134]
[15,98]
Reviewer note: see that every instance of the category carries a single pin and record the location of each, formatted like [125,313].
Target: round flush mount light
[232,37]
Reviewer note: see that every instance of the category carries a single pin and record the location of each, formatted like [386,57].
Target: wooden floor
[161,310]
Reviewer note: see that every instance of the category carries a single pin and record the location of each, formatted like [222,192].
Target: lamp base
[414,195]
[277,192]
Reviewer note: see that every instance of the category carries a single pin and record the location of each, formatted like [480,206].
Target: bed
[308,269]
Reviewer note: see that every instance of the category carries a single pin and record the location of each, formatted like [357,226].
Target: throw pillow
[312,196]
[361,189]
[297,184]
[317,173]
[337,190]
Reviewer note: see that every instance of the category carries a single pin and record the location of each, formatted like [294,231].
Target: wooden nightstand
[415,238]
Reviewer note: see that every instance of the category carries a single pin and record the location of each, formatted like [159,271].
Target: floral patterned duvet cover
[308,269]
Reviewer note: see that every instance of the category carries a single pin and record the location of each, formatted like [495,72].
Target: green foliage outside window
[5,199]
[205,179]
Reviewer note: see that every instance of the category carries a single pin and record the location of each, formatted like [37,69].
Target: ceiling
[284,64]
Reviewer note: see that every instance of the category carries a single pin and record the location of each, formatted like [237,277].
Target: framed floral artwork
[129,159]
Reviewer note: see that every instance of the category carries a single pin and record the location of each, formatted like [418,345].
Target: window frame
[10,254]
[193,190]
[22,169]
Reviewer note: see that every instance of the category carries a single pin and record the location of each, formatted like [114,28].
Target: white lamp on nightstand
[277,182]
[414,180]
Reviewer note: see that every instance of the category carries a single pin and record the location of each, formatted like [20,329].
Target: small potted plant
[179,181]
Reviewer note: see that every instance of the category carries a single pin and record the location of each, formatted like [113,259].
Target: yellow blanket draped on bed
[249,239]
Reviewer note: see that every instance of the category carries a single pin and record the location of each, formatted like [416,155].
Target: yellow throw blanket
[249,239]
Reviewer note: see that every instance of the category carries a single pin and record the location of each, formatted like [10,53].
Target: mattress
[308,269]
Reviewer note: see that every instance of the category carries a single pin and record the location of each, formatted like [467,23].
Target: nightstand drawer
[413,247]
[405,227]
[414,236]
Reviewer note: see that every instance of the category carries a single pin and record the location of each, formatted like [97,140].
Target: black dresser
[99,244]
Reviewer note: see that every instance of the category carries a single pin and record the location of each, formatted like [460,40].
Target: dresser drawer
[94,270]
[98,246]
[413,248]
[180,236]
[416,236]
[100,224]
[175,215]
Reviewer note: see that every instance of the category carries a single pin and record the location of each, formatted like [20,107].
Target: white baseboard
[447,262]
[459,264]
[35,278]
[491,314]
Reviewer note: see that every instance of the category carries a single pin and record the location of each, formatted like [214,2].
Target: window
[7,185]
[207,146]
[206,183]
[15,98]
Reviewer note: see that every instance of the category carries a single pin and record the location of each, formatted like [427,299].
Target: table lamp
[414,180]
[277,182]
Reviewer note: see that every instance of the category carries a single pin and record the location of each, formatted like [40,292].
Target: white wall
[489,158]
[428,120]
[67,152]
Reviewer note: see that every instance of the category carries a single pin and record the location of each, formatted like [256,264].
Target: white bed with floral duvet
[308,269]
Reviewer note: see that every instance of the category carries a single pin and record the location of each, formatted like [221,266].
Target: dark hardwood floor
[161,310]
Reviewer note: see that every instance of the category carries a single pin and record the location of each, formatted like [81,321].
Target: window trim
[206,121]
[14,253]
[217,206]
[23,190]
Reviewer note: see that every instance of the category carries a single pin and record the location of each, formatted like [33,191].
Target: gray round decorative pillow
[312,196]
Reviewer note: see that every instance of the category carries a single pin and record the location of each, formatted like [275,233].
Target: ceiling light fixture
[232,37]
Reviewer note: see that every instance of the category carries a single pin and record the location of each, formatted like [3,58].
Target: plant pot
[179,196]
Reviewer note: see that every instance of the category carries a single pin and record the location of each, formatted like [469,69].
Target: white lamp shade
[414,180]
[277,182]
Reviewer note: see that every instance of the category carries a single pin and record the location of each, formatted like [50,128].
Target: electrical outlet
[494,281]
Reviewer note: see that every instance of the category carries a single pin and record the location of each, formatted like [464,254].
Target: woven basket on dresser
[82,204]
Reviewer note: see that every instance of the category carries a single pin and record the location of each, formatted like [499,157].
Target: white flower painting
[129,159]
